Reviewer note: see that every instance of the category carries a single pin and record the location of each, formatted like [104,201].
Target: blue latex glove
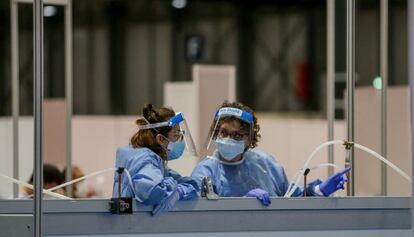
[261,195]
[166,205]
[334,182]
[168,201]
[186,192]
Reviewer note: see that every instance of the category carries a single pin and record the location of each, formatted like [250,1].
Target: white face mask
[82,189]
[229,148]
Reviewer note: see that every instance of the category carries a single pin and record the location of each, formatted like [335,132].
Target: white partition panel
[198,100]
[399,148]
[214,84]
[181,96]
[367,133]
[290,141]
[54,132]
[6,156]
[26,135]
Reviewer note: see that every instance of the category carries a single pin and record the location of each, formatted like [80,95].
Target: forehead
[231,125]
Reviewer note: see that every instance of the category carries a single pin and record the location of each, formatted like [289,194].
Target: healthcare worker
[162,137]
[237,170]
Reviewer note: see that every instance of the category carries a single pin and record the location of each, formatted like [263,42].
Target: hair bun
[149,113]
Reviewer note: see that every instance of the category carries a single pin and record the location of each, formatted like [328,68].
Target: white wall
[289,140]
[26,134]
[368,133]
[187,92]
[95,139]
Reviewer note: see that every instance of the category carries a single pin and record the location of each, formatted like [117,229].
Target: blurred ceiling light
[179,3]
[49,11]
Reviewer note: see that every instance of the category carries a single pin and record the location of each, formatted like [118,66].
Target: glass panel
[191,56]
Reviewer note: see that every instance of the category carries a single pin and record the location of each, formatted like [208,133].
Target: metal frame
[38,40]
[15,90]
[330,77]
[68,74]
[38,115]
[410,35]
[350,82]
[91,217]
[384,77]
[67,4]
[68,90]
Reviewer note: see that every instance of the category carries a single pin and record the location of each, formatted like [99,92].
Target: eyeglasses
[238,136]
[176,135]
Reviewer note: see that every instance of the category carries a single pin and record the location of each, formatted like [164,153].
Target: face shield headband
[178,119]
[230,112]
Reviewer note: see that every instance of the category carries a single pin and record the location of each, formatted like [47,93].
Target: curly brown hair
[244,126]
[146,137]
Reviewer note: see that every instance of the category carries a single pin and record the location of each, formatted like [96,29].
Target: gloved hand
[334,182]
[166,204]
[261,195]
[186,192]
[170,184]
[188,181]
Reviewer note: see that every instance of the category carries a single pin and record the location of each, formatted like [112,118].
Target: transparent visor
[215,131]
[183,133]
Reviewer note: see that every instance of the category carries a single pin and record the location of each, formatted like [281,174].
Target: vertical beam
[176,29]
[38,114]
[245,85]
[384,77]
[410,13]
[14,14]
[330,77]
[68,92]
[117,29]
[152,55]
[350,85]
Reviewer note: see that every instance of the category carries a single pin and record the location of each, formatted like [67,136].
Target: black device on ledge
[120,205]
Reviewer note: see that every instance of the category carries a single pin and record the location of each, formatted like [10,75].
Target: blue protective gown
[152,180]
[256,170]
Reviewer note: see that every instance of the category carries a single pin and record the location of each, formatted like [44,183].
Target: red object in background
[302,82]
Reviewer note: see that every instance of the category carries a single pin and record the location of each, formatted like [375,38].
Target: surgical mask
[229,148]
[175,150]
[82,189]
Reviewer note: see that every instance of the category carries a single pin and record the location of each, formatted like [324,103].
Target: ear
[160,140]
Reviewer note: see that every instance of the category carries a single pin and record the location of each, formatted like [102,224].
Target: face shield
[242,134]
[182,133]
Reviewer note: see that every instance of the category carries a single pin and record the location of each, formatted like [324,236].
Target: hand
[170,184]
[186,192]
[261,195]
[334,182]
[166,204]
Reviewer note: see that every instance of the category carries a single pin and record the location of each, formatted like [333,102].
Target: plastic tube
[376,155]
[82,178]
[305,166]
[293,186]
[95,174]
[60,196]
[394,167]
[56,195]
[132,186]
